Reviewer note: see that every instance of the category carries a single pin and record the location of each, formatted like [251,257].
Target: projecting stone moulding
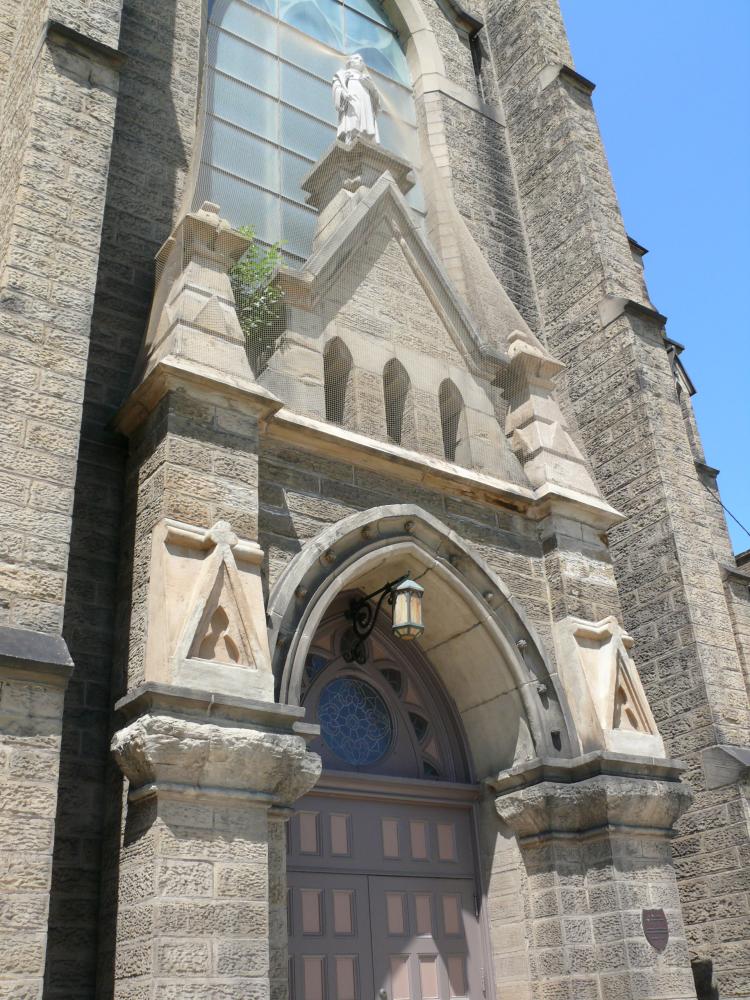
[206,617]
[603,688]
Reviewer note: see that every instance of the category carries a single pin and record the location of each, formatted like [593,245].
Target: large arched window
[269,111]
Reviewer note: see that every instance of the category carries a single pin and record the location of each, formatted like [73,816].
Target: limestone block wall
[622,389]
[153,130]
[485,193]
[61,95]
[57,115]
[30,730]
[193,904]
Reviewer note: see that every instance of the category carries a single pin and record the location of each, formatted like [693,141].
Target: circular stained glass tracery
[354,721]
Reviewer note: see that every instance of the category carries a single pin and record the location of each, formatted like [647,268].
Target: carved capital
[604,803]
[172,753]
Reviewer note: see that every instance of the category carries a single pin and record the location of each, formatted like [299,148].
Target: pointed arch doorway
[383,887]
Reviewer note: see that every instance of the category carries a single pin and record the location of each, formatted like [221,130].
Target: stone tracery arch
[485,652]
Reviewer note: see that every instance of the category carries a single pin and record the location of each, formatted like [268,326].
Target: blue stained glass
[314,664]
[306,93]
[354,721]
[320,19]
[371,8]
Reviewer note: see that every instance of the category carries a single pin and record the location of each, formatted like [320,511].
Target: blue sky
[673,102]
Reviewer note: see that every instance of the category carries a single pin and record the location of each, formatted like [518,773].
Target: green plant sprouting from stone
[258,297]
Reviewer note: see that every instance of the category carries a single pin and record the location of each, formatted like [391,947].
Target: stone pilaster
[34,671]
[201,904]
[594,837]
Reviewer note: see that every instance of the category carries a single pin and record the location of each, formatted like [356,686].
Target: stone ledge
[436,83]
[590,765]
[195,703]
[707,470]
[725,765]
[318,436]
[171,372]
[636,247]
[566,74]
[58,31]
[34,656]
[612,307]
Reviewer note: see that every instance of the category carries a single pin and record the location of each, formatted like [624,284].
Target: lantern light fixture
[404,596]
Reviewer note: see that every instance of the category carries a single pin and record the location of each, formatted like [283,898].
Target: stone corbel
[206,614]
[604,690]
[535,424]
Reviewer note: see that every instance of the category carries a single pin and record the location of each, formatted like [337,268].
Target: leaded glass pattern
[354,721]
[269,111]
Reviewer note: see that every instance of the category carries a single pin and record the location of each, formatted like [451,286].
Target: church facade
[369,625]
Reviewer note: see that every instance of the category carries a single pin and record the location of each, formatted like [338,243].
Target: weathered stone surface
[87,199]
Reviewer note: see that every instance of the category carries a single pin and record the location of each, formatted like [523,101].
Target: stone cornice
[707,470]
[433,473]
[34,656]
[569,771]
[152,697]
[436,83]
[172,372]
[320,437]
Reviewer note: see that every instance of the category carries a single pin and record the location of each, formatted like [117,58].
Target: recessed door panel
[330,946]
[426,941]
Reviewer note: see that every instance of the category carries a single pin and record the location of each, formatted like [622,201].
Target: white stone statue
[357,101]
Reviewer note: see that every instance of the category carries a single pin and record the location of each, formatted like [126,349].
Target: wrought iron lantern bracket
[363,615]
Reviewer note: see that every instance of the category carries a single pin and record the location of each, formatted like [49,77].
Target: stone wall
[66,252]
[30,729]
[621,386]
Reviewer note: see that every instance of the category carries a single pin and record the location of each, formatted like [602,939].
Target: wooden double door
[382,899]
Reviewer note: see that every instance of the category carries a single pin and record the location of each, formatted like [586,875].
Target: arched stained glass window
[269,112]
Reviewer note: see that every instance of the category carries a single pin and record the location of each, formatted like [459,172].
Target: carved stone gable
[604,690]
[206,626]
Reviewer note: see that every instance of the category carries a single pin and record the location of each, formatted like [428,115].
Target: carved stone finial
[221,534]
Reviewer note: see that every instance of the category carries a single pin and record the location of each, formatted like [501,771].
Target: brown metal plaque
[655,928]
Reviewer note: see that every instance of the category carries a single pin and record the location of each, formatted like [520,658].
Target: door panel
[380,837]
[330,946]
[425,938]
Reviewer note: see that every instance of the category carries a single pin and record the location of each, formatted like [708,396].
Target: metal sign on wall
[655,928]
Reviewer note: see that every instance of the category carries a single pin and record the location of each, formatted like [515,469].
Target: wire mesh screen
[269,113]
[304,263]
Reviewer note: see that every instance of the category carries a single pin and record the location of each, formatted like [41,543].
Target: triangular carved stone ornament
[206,626]
[603,689]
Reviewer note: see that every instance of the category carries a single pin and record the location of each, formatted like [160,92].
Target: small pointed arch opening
[399,403]
[337,382]
[453,424]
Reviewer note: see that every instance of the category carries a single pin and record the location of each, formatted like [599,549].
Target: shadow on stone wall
[147,168]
